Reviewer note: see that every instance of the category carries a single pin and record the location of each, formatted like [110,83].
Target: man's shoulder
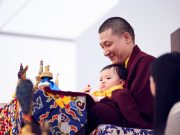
[139,58]
[137,55]
[146,56]
[140,53]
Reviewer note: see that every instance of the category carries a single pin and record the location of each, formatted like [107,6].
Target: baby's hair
[119,69]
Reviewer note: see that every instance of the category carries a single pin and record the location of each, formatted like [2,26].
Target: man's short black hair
[118,26]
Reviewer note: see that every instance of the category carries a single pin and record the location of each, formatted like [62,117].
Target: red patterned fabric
[9,118]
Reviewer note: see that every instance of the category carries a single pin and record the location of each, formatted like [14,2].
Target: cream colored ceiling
[51,18]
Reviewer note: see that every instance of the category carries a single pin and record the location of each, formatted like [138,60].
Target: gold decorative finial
[22,72]
[41,67]
[21,75]
[38,77]
[46,73]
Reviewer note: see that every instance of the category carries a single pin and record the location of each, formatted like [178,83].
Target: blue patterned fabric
[107,129]
[66,115]
[65,112]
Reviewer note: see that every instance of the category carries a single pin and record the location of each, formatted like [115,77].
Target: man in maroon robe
[132,106]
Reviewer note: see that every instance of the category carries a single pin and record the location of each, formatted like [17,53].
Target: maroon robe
[132,106]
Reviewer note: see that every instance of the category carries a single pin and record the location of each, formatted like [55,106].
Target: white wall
[61,56]
[31,30]
[153,22]
[79,62]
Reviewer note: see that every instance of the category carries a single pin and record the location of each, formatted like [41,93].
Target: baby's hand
[87,89]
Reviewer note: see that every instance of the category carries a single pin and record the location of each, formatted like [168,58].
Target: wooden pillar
[175,41]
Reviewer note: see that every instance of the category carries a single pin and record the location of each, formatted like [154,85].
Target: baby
[112,77]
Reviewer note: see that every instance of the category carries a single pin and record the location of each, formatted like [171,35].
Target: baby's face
[108,79]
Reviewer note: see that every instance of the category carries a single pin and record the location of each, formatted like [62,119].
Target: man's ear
[127,37]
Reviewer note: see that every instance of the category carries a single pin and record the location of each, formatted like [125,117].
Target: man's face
[114,46]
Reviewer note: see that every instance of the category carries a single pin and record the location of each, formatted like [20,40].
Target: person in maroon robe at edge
[132,106]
